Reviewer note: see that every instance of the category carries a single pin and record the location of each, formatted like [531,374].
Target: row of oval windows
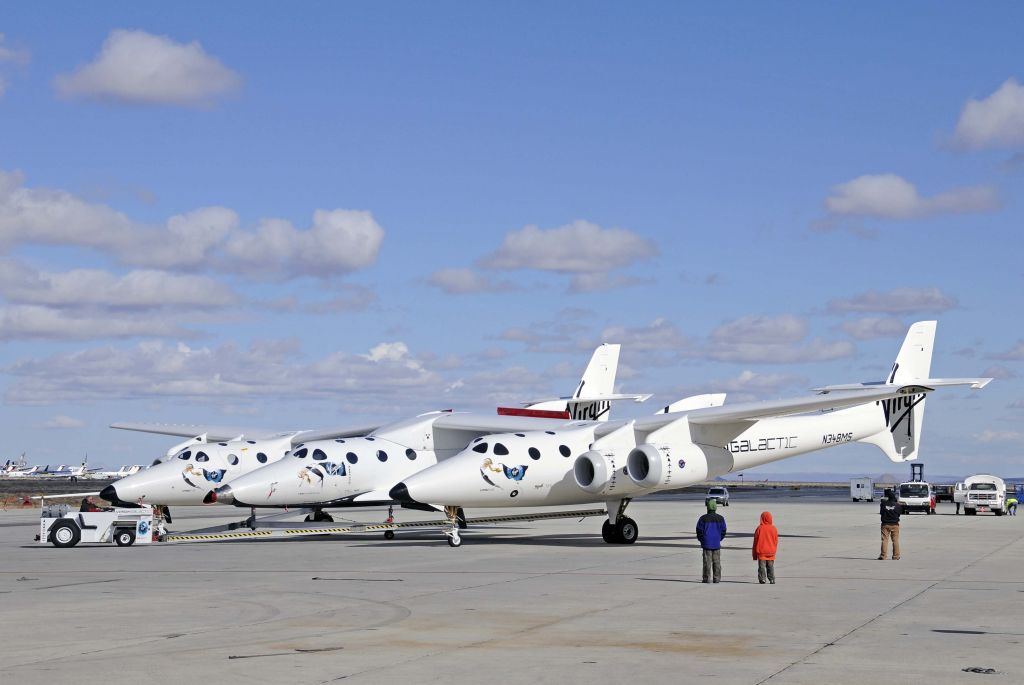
[500,450]
[351,457]
[232,458]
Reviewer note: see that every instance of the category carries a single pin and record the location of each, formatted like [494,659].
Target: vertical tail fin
[598,380]
[904,416]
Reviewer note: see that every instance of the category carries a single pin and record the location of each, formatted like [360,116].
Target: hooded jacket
[766,538]
[711,529]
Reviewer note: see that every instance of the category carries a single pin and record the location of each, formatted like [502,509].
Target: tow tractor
[62,527]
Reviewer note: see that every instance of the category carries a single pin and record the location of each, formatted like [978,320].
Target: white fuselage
[193,472]
[332,473]
[536,468]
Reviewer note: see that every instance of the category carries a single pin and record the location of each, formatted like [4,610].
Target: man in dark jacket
[710,531]
[890,511]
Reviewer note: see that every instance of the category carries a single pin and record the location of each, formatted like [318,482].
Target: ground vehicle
[916,496]
[862,489]
[62,527]
[984,493]
[719,494]
[943,493]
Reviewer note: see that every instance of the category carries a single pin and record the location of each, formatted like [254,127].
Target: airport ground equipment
[862,490]
[943,493]
[984,493]
[718,493]
[916,495]
[60,526]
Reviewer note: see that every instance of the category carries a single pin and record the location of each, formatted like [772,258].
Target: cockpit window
[261,458]
[564,450]
[301,454]
[233,459]
[319,455]
[222,444]
[202,456]
[481,448]
[550,432]
[185,455]
[341,440]
[500,449]
[520,435]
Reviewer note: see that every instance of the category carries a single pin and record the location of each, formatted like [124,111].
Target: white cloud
[995,121]
[63,422]
[25,322]
[753,352]
[142,68]
[594,282]
[999,436]
[999,372]
[579,247]
[15,56]
[764,329]
[889,196]
[337,242]
[749,385]
[465,281]
[144,289]
[874,327]
[896,301]
[1015,353]
[265,369]
[659,335]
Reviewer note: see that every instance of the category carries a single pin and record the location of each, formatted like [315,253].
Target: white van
[862,490]
[916,495]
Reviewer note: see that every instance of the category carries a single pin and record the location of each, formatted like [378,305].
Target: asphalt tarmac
[547,602]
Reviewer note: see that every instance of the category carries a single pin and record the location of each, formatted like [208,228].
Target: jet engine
[601,473]
[660,466]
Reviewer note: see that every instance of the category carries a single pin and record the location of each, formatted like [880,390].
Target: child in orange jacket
[766,542]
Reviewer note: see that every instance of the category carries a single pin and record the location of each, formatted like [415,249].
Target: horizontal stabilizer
[579,400]
[974,383]
[695,402]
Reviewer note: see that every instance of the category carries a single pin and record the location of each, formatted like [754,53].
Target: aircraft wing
[224,433]
[975,383]
[499,423]
[750,411]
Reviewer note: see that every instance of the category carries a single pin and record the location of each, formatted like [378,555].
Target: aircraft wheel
[389,535]
[454,540]
[65,534]
[609,533]
[627,531]
[124,537]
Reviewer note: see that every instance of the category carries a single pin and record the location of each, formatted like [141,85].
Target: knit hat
[712,504]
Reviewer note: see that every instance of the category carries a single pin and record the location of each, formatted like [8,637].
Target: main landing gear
[319,516]
[624,530]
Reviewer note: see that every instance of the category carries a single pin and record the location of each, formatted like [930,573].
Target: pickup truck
[984,493]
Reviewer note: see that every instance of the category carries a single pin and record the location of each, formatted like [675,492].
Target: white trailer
[862,490]
[62,527]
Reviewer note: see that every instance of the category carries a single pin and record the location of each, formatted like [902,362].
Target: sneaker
[772,582]
[895,558]
[714,581]
[705,581]
[761,581]
[881,558]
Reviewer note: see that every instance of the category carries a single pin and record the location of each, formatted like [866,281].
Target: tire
[124,537]
[454,541]
[970,512]
[389,535]
[627,531]
[997,512]
[65,534]
[608,533]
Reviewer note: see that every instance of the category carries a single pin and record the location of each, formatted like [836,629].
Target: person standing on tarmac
[766,543]
[890,511]
[710,531]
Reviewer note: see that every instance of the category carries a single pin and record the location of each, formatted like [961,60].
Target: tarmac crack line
[896,606]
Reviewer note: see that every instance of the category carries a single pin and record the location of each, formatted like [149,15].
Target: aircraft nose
[222,494]
[109,493]
[400,493]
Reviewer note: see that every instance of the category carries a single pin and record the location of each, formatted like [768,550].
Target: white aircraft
[387,453]
[694,440]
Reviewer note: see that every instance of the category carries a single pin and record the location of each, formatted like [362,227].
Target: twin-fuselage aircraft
[448,461]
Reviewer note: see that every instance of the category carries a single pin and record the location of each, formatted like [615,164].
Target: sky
[289,217]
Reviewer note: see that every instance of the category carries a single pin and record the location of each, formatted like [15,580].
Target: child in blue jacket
[710,532]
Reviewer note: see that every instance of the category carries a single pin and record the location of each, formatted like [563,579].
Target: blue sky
[303,219]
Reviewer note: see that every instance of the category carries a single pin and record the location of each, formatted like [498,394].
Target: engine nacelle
[659,466]
[592,471]
[601,472]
